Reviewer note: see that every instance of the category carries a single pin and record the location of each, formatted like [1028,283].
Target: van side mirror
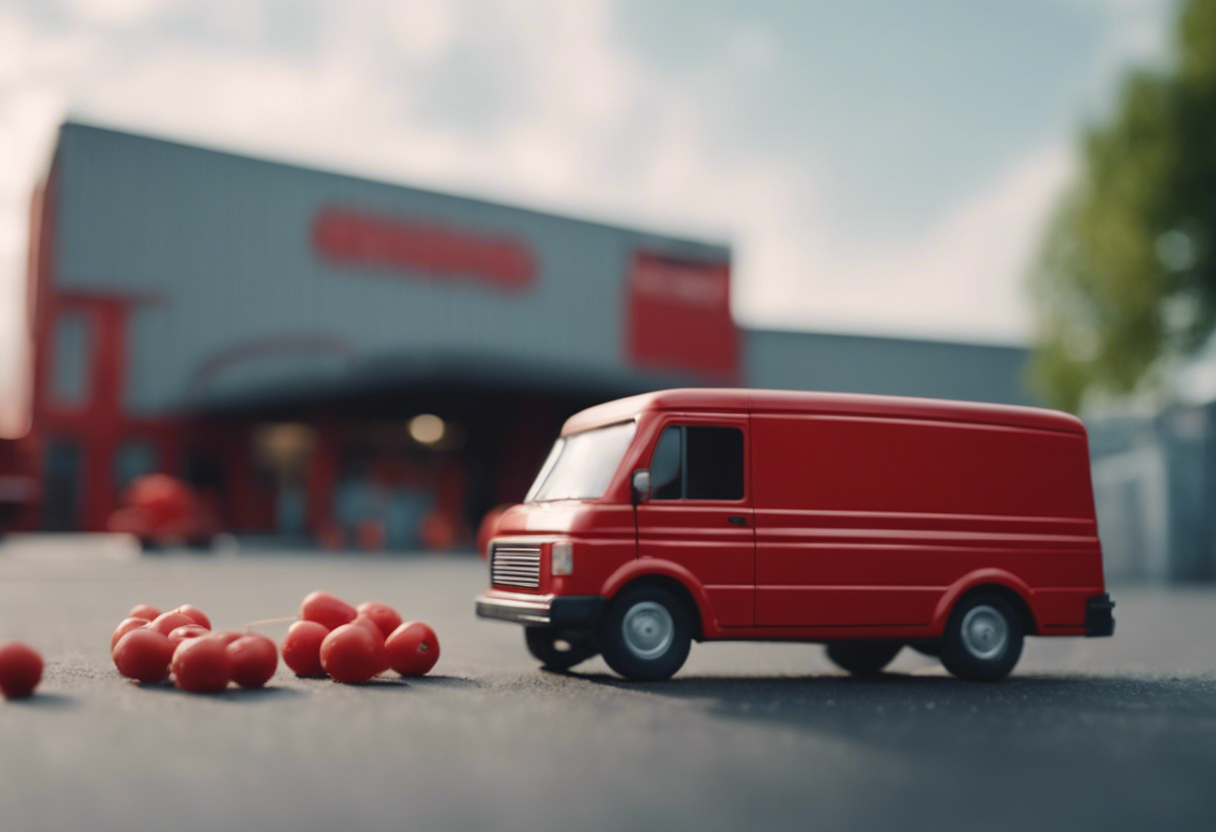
[639,486]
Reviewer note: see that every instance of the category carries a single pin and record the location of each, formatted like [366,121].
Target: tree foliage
[1127,279]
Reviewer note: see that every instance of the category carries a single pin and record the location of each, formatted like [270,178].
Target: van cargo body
[865,522]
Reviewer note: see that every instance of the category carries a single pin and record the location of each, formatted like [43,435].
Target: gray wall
[223,242]
[891,366]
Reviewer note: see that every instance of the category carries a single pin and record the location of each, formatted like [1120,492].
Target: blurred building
[329,357]
[1155,491]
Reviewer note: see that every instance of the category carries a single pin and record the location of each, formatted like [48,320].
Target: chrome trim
[517,610]
[515,563]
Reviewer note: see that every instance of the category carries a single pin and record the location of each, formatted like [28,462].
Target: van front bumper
[564,612]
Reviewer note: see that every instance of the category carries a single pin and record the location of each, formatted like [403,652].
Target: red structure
[322,357]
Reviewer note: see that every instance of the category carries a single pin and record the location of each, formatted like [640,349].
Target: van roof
[735,400]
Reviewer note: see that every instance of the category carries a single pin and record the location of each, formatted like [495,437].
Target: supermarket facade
[323,356]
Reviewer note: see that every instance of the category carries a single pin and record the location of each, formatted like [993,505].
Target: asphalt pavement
[1115,733]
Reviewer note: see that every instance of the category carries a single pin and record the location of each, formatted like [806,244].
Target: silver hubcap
[985,632]
[648,630]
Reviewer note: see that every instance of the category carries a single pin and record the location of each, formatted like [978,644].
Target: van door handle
[737,519]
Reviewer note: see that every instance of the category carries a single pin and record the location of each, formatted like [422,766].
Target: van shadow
[913,711]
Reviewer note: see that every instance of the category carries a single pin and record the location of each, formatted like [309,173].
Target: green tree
[1127,279]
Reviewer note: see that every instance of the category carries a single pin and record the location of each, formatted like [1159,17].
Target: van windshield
[579,466]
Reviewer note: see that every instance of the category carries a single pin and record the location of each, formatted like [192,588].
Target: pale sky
[879,166]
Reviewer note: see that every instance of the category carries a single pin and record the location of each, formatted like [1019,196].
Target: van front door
[699,514]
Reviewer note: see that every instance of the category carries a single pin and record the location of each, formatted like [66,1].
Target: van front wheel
[983,638]
[646,634]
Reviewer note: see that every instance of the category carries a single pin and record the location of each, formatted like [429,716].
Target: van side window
[697,463]
[713,468]
[665,466]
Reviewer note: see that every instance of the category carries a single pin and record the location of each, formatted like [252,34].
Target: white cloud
[425,29]
[753,47]
[964,279]
[114,12]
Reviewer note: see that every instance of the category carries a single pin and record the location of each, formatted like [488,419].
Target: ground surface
[1089,734]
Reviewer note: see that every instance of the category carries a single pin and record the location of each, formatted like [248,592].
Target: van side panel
[868,521]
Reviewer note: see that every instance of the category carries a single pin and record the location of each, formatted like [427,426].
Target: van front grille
[515,564]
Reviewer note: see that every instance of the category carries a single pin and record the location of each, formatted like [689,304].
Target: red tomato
[386,617]
[195,614]
[362,620]
[201,665]
[302,648]
[167,622]
[413,649]
[327,610]
[353,654]
[20,670]
[145,611]
[127,625]
[144,655]
[254,660]
[368,624]
[188,631]
[226,637]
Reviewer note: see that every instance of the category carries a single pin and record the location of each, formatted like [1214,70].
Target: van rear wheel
[647,634]
[863,658]
[557,650]
[983,638]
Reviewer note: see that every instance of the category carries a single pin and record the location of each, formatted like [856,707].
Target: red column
[103,413]
[322,479]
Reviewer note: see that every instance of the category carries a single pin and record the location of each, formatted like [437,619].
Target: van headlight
[561,558]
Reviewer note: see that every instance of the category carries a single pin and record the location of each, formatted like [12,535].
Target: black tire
[558,650]
[647,633]
[983,638]
[863,658]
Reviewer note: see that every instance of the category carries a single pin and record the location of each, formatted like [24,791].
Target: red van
[864,522]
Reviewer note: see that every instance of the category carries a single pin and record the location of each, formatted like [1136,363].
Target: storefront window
[70,368]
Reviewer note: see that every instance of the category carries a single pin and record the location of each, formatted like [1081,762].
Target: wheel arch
[672,577]
[1000,582]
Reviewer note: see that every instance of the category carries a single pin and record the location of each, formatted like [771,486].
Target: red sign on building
[356,238]
[679,316]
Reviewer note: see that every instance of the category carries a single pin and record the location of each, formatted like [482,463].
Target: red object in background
[330,536]
[487,527]
[353,237]
[20,670]
[437,531]
[865,522]
[371,535]
[413,649]
[678,317]
[161,509]
[302,648]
